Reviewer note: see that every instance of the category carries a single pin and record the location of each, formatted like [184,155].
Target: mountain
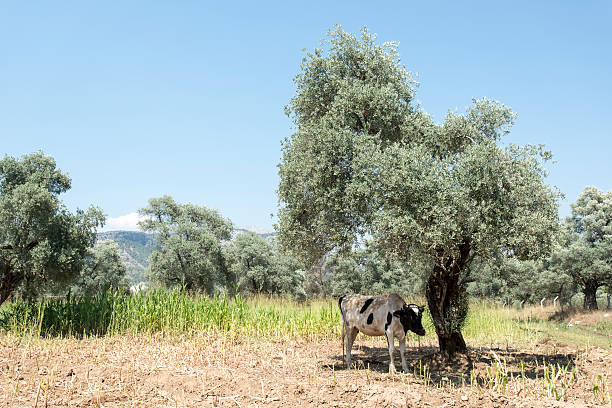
[262,232]
[135,247]
[257,230]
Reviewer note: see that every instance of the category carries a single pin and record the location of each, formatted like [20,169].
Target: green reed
[170,312]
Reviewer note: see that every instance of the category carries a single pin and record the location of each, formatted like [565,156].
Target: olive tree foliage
[554,283]
[492,280]
[103,270]
[510,280]
[365,270]
[189,251]
[41,241]
[365,161]
[259,269]
[586,253]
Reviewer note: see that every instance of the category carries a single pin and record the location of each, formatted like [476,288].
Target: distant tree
[258,268]
[555,283]
[40,240]
[289,275]
[510,280]
[586,254]
[367,271]
[608,289]
[103,270]
[189,252]
[365,161]
[317,278]
[488,280]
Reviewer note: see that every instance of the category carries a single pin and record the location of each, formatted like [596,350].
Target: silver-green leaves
[365,161]
[189,252]
[40,240]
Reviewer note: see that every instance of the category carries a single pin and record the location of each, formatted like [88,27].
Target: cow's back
[395,301]
[369,314]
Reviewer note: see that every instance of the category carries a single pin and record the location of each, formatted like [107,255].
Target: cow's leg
[391,349]
[351,333]
[402,347]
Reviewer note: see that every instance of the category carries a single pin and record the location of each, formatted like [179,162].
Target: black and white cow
[379,316]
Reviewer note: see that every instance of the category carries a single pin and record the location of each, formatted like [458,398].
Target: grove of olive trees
[585,252]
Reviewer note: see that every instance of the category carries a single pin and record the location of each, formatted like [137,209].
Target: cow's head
[410,317]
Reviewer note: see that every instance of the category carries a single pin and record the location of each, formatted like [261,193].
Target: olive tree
[586,254]
[103,269]
[366,161]
[511,280]
[258,268]
[40,240]
[502,279]
[365,270]
[188,252]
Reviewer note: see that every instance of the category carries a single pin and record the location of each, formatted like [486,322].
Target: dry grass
[156,371]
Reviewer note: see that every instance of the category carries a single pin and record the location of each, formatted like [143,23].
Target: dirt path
[200,372]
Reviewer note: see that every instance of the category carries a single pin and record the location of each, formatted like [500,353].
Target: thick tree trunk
[447,303]
[452,344]
[590,296]
[440,297]
[8,282]
[4,294]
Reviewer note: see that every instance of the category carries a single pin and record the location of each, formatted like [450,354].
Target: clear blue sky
[143,98]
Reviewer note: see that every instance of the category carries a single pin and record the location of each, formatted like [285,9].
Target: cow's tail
[343,324]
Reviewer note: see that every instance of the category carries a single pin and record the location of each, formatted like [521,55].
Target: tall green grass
[169,312]
[178,313]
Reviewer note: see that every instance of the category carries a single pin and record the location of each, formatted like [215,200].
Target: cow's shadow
[377,358]
[477,366]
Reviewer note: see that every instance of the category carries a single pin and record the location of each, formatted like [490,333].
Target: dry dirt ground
[152,371]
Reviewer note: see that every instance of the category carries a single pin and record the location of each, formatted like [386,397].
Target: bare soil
[588,319]
[153,371]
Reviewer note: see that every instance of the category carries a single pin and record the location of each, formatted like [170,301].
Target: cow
[379,316]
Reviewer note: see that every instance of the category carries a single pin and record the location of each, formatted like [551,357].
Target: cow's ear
[421,308]
[397,313]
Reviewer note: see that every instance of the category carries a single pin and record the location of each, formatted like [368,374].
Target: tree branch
[359,122]
[31,246]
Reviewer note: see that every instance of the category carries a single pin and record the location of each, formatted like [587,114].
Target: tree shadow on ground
[479,365]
